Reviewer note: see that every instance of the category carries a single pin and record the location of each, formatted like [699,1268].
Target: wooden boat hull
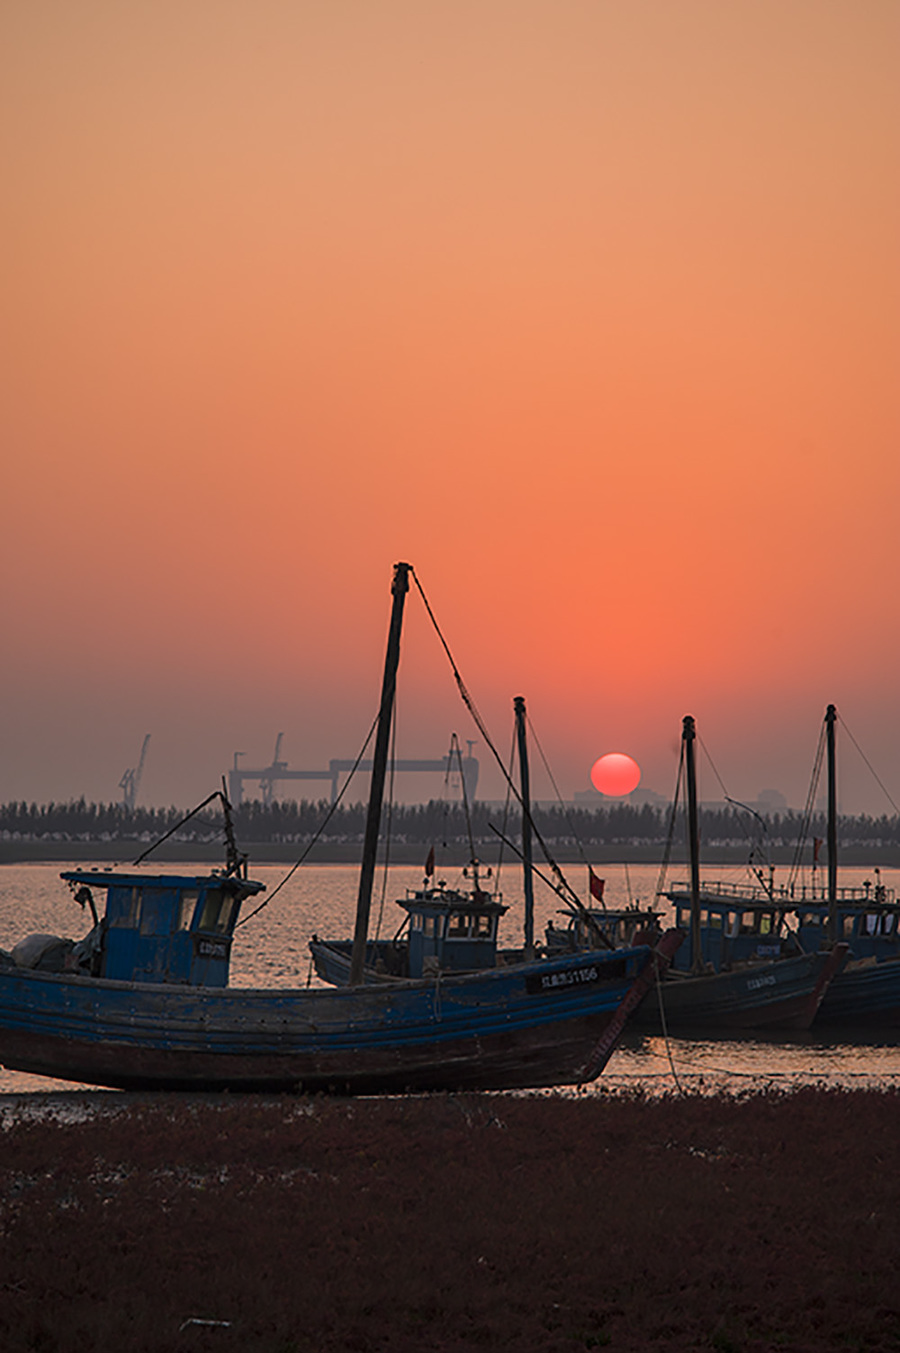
[529,1026]
[784,994]
[864,993]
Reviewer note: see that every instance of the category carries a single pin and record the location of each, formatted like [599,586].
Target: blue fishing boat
[617,927]
[142,1001]
[864,922]
[743,967]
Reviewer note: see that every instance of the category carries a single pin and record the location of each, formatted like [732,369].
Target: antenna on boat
[399,589]
[235,860]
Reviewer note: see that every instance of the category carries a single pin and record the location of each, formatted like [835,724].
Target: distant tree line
[431,823]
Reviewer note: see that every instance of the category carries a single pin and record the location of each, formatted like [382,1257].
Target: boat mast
[519,707]
[688,736]
[830,720]
[399,589]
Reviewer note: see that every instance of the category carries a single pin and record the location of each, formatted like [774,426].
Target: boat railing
[792,894]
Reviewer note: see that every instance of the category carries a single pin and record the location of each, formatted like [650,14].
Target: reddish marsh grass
[455,1222]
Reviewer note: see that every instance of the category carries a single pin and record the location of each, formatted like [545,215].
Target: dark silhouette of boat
[143,1000]
[862,922]
[742,967]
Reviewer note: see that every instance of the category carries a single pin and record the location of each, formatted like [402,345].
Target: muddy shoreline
[450,1222]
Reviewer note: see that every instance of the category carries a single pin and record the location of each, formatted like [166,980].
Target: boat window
[416,921]
[732,929]
[887,924]
[714,920]
[871,924]
[430,926]
[748,923]
[458,924]
[482,925]
[217,911]
[765,924]
[130,915]
[849,923]
[186,909]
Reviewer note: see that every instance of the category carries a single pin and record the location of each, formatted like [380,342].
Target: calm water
[270,950]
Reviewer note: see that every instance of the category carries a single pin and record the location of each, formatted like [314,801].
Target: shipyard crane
[131,780]
[268,776]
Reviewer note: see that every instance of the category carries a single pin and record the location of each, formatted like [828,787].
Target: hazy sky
[587,308]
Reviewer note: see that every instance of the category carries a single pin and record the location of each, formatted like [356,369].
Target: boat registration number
[205,948]
[563,978]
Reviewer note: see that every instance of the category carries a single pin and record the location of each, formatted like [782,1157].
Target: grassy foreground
[453,1223]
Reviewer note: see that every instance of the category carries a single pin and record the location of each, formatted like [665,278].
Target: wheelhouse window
[129,915]
[457,925]
[218,911]
[186,908]
[482,926]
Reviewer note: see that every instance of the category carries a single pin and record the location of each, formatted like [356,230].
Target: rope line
[806,820]
[328,816]
[869,765]
[563,885]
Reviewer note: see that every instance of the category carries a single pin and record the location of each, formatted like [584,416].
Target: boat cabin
[621,927]
[870,924]
[450,931]
[733,930]
[162,927]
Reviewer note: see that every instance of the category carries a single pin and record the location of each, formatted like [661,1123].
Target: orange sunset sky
[587,308]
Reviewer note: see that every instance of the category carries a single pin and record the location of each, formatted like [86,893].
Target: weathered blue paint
[529,1025]
[166,927]
[868,920]
[757,972]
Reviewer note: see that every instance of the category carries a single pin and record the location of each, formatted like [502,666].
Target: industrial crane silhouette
[131,780]
[268,776]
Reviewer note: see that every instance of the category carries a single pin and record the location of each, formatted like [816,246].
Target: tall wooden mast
[399,589]
[830,720]
[525,784]
[688,737]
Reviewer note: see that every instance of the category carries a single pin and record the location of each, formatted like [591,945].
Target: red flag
[597,885]
[817,841]
[429,864]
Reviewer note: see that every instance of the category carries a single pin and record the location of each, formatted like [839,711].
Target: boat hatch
[166,928]
[451,932]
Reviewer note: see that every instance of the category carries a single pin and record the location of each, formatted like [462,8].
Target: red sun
[615,774]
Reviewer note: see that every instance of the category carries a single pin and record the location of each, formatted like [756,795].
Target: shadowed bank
[451,1222]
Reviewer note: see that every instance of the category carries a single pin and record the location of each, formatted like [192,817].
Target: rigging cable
[559,796]
[387,835]
[506,803]
[328,816]
[736,803]
[869,764]
[563,885]
[806,820]
[660,884]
